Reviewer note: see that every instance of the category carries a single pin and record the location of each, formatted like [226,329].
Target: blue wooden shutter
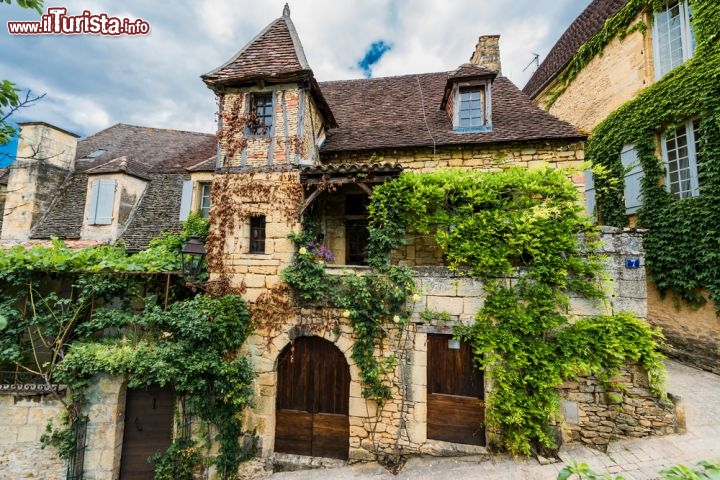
[633,176]
[590,193]
[104,195]
[186,200]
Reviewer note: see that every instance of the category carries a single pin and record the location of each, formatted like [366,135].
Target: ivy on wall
[682,241]
[493,226]
[68,315]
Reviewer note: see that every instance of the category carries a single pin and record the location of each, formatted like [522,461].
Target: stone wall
[23,419]
[623,69]
[693,335]
[22,422]
[296,123]
[490,157]
[594,415]
[447,299]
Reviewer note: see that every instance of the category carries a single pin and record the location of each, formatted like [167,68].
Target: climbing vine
[372,302]
[520,232]
[67,315]
[681,244]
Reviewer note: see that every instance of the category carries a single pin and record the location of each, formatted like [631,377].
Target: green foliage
[521,226]
[178,462]
[71,314]
[681,244]
[191,346]
[34,4]
[368,301]
[703,471]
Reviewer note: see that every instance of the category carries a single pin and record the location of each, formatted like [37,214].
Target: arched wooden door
[312,400]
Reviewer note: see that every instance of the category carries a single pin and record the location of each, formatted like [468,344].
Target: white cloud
[92,82]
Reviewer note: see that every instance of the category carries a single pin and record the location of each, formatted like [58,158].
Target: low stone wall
[595,415]
[23,419]
[22,422]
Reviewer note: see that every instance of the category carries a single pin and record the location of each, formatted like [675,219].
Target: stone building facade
[292,147]
[625,67]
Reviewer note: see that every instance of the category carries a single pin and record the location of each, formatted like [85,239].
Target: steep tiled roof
[405,112]
[585,26]
[158,149]
[121,165]
[158,212]
[64,219]
[274,53]
[468,70]
[158,155]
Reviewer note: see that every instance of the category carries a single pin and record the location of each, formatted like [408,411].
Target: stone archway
[312,403]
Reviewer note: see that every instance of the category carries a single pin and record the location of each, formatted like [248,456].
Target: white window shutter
[94,191]
[186,201]
[590,193]
[105,202]
[633,176]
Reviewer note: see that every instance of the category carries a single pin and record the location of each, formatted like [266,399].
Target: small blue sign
[632,263]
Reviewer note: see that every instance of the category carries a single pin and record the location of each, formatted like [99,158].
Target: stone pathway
[633,459]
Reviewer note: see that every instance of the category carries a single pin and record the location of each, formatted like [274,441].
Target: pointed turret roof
[275,55]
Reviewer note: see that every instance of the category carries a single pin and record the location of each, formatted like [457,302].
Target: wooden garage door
[456,410]
[148,429]
[312,400]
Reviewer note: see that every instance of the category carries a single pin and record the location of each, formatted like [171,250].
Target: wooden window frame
[257,234]
[261,109]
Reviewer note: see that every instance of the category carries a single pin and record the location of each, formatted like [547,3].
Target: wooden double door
[313,392]
[456,411]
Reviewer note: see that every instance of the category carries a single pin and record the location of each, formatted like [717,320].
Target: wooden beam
[365,188]
[308,201]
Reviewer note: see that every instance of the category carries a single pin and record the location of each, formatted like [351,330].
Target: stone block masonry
[22,422]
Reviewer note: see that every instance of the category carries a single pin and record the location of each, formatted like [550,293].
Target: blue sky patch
[372,56]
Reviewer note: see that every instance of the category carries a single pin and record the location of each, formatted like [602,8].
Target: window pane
[675,40]
[205,200]
[257,234]
[470,112]
[681,161]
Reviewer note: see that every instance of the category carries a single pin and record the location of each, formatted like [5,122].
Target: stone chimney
[45,157]
[487,53]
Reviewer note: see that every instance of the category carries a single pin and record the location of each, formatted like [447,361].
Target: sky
[91,82]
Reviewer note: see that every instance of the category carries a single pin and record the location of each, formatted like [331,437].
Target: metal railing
[26,382]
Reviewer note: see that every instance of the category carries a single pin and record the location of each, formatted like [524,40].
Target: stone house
[631,52]
[292,148]
[124,183]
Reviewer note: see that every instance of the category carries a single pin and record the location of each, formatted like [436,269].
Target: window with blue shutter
[590,193]
[633,176]
[102,200]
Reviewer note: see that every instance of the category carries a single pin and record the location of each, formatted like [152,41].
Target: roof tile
[585,26]
[405,111]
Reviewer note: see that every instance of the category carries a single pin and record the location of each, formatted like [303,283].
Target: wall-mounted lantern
[192,257]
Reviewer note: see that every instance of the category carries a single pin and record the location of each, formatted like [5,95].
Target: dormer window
[467,99]
[471,107]
[261,114]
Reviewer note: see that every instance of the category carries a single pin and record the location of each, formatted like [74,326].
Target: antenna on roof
[535,60]
[286,10]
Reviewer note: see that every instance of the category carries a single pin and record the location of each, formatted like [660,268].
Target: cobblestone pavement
[639,459]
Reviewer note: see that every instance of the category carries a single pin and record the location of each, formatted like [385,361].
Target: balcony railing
[26,382]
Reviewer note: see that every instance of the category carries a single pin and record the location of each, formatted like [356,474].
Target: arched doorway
[313,393]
